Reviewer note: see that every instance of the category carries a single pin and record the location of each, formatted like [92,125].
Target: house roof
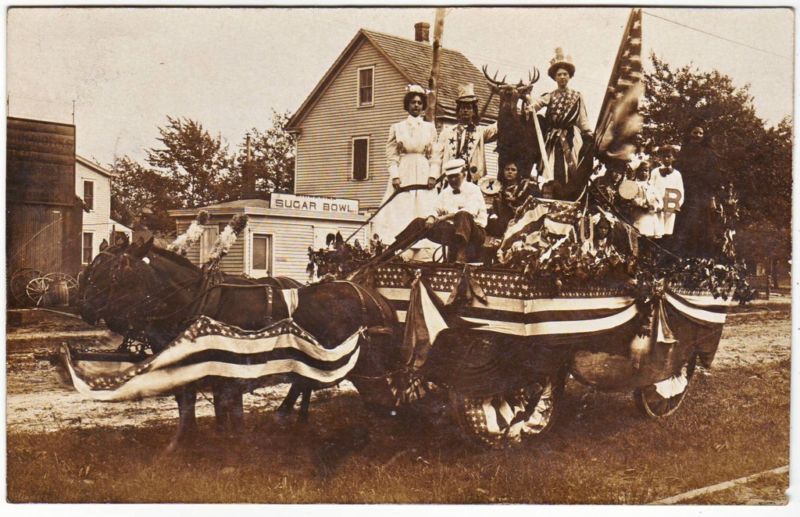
[94,166]
[261,207]
[413,60]
[240,203]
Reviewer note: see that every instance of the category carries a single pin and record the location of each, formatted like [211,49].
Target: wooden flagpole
[433,82]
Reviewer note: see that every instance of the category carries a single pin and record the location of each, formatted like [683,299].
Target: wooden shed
[43,214]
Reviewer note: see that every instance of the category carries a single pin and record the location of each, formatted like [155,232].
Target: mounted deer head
[511,92]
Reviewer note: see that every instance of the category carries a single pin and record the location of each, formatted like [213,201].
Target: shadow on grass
[733,423]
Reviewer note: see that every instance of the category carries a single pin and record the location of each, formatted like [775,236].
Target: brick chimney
[422,32]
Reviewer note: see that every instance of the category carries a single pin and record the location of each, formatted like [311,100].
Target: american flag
[619,120]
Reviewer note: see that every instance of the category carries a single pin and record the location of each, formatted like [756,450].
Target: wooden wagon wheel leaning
[19,282]
[504,420]
[663,398]
[37,290]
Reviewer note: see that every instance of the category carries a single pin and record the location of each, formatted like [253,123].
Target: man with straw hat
[458,220]
[566,122]
[466,140]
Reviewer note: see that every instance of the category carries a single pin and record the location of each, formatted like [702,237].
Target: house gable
[330,118]
[325,145]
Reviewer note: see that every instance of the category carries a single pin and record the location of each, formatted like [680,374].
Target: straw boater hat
[466,93]
[454,166]
[560,61]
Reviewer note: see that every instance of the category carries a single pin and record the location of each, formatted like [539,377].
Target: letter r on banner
[672,199]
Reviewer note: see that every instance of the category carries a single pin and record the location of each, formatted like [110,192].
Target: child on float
[646,203]
[667,184]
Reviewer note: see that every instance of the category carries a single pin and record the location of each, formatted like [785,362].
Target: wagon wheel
[19,281]
[69,281]
[37,290]
[663,398]
[503,420]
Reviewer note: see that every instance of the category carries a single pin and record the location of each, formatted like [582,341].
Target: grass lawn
[733,423]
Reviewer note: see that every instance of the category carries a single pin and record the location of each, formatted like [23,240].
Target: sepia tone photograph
[527,255]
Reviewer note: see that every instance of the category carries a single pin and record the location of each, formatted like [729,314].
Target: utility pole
[433,82]
[73,112]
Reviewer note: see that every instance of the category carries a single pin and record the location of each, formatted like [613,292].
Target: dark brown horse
[153,294]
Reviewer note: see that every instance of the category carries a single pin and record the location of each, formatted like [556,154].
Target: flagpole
[433,81]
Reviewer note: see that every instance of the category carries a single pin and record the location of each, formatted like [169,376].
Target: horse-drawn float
[503,345]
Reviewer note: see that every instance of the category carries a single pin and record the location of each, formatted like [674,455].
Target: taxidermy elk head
[510,93]
[517,139]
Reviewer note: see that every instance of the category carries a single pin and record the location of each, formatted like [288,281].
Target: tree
[135,187]
[196,163]
[272,159]
[756,159]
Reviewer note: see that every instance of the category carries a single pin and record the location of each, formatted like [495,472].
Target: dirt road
[37,401]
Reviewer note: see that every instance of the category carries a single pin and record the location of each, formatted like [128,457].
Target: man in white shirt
[459,218]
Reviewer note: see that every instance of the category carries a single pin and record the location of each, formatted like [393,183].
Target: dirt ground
[38,400]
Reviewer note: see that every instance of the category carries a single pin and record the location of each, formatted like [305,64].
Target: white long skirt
[404,208]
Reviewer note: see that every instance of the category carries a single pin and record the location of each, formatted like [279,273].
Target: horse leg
[187,421]
[304,403]
[236,415]
[288,403]
[221,407]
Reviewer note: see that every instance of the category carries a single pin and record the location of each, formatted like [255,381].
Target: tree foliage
[756,159]
[195,163]
[193,169]
[136,187]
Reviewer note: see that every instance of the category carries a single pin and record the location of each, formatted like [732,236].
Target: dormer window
[366,78]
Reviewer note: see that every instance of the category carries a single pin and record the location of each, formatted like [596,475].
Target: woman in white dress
[408,152]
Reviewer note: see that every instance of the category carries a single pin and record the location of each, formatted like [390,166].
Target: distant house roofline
[94,166]
[293,125]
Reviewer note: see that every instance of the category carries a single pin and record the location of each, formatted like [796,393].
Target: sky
[126,69]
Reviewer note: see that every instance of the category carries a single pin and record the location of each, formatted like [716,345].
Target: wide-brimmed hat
[454,166]
[466,93]
[560,61]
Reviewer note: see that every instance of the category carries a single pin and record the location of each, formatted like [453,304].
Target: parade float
[571,290]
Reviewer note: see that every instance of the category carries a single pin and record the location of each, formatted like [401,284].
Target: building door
[260,255]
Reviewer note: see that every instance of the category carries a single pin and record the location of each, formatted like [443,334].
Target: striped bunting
[504,419]
[558,217]
[702,309]
[209,348]
[534,317]
[563,316]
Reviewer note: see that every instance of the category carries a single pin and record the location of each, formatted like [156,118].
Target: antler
[533,76]
[494,84]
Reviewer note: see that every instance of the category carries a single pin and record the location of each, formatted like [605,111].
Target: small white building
[93,186]
[278,234]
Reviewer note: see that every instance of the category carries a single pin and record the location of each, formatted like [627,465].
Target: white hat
[466,93]
[454,166]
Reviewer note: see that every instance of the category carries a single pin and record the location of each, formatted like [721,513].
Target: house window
[365,86]
[88,251]
[88,194]
[360,158]
[262,254]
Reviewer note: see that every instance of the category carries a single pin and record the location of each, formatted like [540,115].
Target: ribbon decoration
[466,290]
